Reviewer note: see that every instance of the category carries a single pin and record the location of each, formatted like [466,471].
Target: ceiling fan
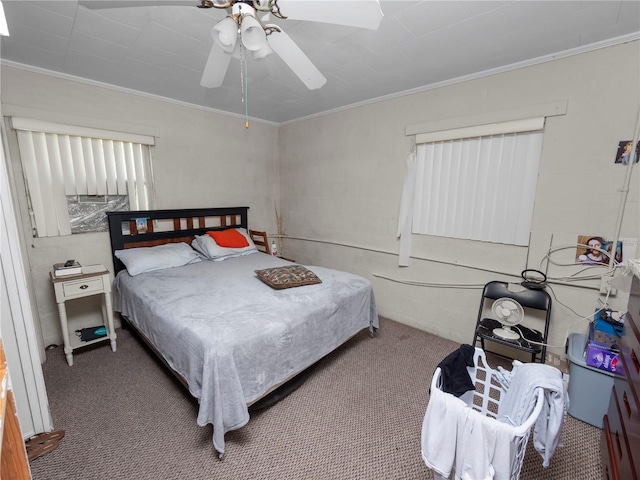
[242,30]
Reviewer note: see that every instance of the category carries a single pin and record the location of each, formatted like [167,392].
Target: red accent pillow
[230,238]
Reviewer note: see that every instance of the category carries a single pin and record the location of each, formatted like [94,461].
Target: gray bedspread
[232,337]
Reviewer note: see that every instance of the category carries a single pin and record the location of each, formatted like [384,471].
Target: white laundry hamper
[485,399]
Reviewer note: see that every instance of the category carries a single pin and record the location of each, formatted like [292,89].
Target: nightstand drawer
[82,287]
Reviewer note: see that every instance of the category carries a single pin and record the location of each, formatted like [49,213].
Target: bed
[227,335]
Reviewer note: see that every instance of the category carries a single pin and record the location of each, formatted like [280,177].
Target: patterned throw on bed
[287,277]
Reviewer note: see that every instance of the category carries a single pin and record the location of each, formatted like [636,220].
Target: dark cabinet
[620,444]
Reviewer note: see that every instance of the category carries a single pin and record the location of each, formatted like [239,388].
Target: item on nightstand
[91,333]
[87,269]
[608,330]
[602,356]
[70,267]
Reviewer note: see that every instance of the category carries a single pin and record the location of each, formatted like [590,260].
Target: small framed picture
[623,154]
[141,225]
[597,250]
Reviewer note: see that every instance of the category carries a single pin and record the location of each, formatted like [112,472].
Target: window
[75,174]
[475,183]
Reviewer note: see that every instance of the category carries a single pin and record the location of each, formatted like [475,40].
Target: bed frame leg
[220,456]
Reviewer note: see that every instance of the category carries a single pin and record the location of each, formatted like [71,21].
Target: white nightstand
[83,285]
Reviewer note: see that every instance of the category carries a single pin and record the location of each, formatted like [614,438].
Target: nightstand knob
[84,287]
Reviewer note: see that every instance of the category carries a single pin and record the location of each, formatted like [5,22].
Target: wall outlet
[605,287]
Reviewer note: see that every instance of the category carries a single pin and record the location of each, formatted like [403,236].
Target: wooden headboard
[147,228]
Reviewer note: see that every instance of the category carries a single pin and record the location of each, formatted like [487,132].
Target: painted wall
[342,173]
[201,159]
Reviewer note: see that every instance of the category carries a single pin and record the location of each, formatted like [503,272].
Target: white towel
[487,450]
[519,401]
[475,448]
[439,431]
[455,435]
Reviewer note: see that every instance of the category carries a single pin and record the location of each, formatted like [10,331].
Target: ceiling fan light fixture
[265,51]
[252,33]
[225,34]
[236,51]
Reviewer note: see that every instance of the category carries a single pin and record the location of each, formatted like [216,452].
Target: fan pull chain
[243,84]
[246,96]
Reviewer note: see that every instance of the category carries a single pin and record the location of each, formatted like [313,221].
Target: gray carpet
[358,416]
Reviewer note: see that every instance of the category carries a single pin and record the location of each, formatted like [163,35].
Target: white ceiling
[162,50]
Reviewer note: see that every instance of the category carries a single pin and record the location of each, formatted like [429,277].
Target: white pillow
[147,259]
[208,247]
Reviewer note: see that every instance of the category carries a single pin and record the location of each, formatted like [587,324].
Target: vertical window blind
[476,183]
[479,188]
[61,161]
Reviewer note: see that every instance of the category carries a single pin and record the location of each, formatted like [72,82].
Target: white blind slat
[493,189]
[528,192]
[99,166]
[28,154]
[455,176]
[110,167]
[148,177]
[66,159]
[43,163]
[79,170]
[58,198]
[89,165]
[131,177]
[121,167]
[447,187]
[140,178]
[479,219]
[513,181]
[465,195]
[418,189]
[434,192]
[425,167]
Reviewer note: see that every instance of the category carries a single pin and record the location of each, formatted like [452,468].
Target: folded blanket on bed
[287,277]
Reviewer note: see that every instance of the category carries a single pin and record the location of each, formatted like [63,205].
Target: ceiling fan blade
[297,61]
[352,13]
[104,4]
[216,67]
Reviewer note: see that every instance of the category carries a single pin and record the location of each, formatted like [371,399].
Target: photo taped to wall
[596,250]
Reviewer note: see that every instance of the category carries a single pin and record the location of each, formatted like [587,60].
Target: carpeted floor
[358,416]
